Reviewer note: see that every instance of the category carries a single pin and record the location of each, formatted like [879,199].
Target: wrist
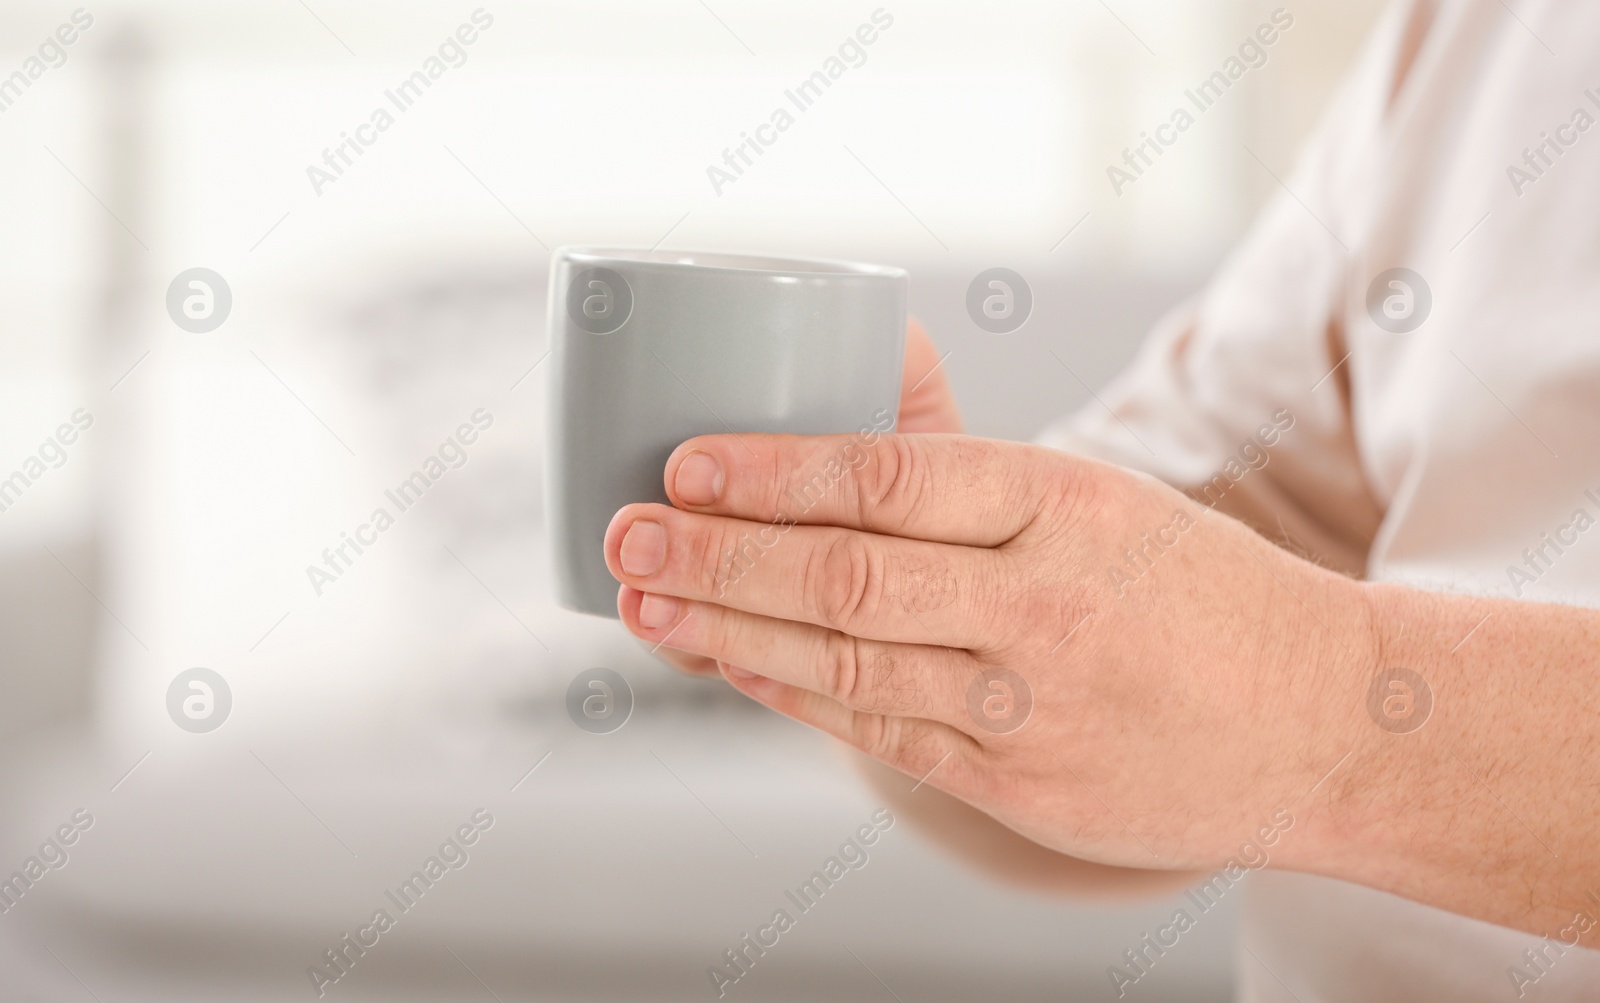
[1362,818]
[1424,806]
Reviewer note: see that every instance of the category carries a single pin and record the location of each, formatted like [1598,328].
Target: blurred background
[372,314]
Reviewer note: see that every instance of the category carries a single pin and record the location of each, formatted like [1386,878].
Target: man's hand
[926,401]
[926,405]
[1125,676]
[1082,652]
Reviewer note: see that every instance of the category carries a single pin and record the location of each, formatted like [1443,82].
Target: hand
[1085,654]
[926,405]
[926,401]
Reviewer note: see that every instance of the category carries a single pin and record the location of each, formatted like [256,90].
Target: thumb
[926,401]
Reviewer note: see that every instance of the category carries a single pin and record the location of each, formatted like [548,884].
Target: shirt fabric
[1465,147]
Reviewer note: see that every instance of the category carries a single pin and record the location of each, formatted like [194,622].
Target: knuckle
[732,552]
[717,632]
[841,672]
[996,585]
[720,563]
[892,486]
[784,478]
[868,676]
[1050,601]
[1074,497]
[838,582]
[878,735]
[904,743]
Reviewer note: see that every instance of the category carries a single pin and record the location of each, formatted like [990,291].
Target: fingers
[946,488]
[927,750]
[685,662]
[875,587]
[926,403]
[872,676]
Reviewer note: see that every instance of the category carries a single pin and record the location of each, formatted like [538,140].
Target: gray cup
[654,347]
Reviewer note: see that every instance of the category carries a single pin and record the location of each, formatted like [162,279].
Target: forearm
[1488,807]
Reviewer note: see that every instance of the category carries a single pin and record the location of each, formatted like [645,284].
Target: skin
[1179,713]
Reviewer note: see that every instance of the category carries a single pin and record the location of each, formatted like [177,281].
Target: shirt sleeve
[1241,397]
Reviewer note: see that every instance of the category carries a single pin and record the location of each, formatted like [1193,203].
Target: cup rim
[733,262]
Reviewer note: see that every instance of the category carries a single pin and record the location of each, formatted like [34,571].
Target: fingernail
[734,672]
[699,479]
[644,548]
[657,611]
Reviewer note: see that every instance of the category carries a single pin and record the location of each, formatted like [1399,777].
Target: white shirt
[1441,457]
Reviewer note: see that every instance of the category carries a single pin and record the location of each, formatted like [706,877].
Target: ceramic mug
[650,348]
